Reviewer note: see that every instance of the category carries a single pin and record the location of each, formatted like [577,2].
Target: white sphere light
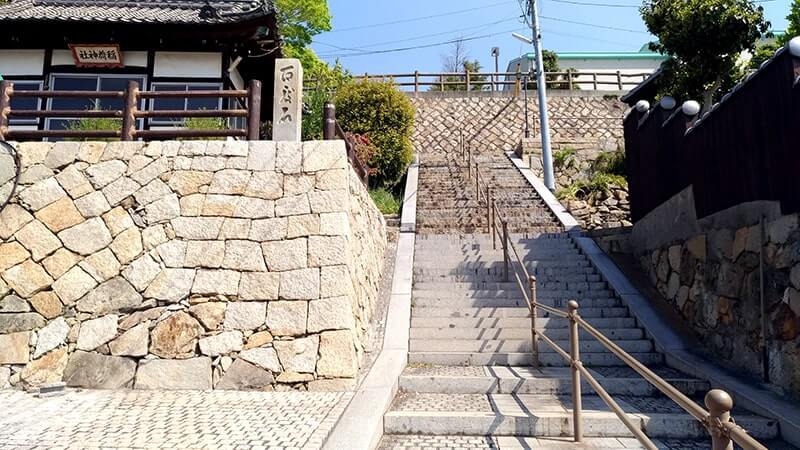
[690,108]
[668,103]
[794,46]
[642,106]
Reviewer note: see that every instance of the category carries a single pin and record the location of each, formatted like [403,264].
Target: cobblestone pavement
[168,420]
[415,442]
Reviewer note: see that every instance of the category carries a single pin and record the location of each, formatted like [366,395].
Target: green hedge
[386,116]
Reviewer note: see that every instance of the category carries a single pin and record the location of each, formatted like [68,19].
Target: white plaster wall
[21,62]
[188,64]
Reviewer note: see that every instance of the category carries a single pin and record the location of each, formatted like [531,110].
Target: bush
[606,173]
[386,116]
[325,81]
[386,202]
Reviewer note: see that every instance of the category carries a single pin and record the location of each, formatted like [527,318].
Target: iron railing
[130,113]
[332,130]
[717,419]
[497,81]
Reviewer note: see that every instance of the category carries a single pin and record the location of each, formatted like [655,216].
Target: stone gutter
[753,396]
[361,424]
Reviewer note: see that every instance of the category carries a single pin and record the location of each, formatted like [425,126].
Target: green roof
[607,55]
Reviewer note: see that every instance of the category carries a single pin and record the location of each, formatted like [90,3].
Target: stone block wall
[187,265]
[712,279]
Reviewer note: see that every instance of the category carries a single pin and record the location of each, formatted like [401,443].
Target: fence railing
[332,130]
[498,81]
[130,113]
[717,419]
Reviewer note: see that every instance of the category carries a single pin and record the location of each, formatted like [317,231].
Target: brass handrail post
[489,212]
[575,353]
[719,405]
[505,249]
[534,331]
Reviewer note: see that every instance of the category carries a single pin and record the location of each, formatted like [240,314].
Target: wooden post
[469,86]
[441,81]
[569,79]
[619,80]
[416,81]
[594,80]
[254,111]
[329,122]
[129,113]
[6,89]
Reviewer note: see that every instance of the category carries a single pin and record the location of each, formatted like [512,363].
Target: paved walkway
[169,420]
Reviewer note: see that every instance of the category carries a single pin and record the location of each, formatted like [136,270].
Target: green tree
[298,22]
[765,51]
[457,61]
[793,29]
[550,63]
[704,39]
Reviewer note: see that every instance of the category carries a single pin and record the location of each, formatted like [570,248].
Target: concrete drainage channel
[361,424]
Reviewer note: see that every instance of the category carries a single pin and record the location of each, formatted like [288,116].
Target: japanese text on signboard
[108,55]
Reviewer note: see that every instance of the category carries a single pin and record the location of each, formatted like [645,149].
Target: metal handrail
[717,420]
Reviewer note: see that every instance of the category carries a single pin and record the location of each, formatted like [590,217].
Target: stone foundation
[187,265]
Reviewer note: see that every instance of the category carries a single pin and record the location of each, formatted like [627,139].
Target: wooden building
[99,45]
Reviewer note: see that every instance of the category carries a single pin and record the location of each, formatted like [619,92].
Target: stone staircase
[470,384]
[447,200]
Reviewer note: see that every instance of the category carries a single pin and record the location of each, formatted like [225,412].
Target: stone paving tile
[445,371]
[627,372]
[442,402]
[436,442]
[168,420]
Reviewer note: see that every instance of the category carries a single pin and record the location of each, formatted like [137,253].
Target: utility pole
[547,156]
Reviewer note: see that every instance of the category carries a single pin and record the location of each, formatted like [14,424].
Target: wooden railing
[332,130]
[497,81]
[130,114]
[717,419]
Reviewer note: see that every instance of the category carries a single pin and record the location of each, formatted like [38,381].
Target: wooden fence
[743,150]
[130,114]
[498,81]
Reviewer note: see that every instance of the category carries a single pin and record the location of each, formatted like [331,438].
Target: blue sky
[354,31]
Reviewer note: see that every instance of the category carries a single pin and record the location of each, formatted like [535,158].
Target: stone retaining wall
[711,277]
[187,265]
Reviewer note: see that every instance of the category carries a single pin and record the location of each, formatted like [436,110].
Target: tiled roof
[136,11]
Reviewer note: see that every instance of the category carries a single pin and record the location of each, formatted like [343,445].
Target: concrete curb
[748,394]
[361,424]
[567,221]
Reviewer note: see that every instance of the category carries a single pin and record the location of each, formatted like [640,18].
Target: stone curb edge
[562,214]
[360,427]
[748,394]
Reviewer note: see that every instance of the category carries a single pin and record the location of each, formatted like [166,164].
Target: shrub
[364,148]
[386,116]
[606,173]
[325,81]
[611,163]
[565,158]
[386,202]
[95,124]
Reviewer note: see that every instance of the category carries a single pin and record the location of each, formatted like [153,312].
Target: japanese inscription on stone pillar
[288,100]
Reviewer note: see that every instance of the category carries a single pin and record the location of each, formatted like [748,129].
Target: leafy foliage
[458,61]
[364,148]
[386,201]
[606,173]
[95,124]
[327,81]
[386,116]
[612,163]
[550,62]
[299,21]
[764,52]
[205,123]
[565,158]
[704,39]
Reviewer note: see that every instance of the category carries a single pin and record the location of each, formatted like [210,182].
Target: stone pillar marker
[287,112]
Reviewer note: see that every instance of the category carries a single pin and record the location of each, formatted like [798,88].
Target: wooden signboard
[97,55]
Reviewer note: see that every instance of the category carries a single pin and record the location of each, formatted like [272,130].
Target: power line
[437,44]
[414,19]
[593,25]
[416,38]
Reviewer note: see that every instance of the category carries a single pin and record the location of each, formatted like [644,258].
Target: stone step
[512,285]
[544,415]
[527,380]
[463,313]
[516,322]
[600,359]
[429,290]
[518,346]
[508,303]
[454,276]
[519,333]
[534,267]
